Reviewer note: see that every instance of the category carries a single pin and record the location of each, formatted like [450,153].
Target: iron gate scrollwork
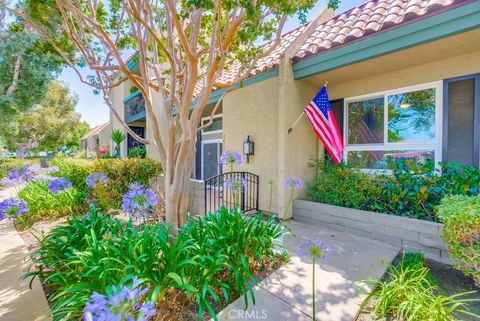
[217,195]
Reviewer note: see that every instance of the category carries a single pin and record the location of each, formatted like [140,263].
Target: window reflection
[411,116]
[365,121]
[388,159]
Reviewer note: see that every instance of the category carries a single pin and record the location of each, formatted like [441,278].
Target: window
[215,127]
[383,128]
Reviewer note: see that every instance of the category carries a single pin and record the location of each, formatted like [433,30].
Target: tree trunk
[177,188]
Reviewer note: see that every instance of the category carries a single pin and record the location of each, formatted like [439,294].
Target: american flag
[325,126]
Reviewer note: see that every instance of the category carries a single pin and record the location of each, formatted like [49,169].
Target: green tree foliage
[48,126]
[26,69]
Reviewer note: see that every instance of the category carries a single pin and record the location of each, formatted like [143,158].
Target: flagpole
[290,130]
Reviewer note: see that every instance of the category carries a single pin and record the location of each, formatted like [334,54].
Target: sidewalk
[286,295]
[17,301]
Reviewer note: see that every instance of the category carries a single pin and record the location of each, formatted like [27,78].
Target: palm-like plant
[118,137]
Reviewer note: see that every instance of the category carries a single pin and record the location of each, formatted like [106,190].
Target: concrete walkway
[286,295]
[17,301]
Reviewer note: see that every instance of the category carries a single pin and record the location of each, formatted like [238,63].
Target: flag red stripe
[319,131]
[326,127]
[318,118]
[331,126]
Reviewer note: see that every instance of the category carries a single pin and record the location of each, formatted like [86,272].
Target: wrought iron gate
[217,194]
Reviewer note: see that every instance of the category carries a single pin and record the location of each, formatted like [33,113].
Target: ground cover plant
[410,293]
[208,264]
[410,189]
[461,218]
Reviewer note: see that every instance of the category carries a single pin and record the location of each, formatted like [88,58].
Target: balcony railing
[134,107]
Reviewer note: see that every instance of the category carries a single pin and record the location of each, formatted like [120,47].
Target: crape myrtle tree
[183,47]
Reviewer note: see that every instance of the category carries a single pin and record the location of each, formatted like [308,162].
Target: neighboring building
[403,78]
[97,139]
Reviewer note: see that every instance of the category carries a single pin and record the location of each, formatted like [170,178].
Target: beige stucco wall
[428,72]
[252,110]
[104,139]
[297,149]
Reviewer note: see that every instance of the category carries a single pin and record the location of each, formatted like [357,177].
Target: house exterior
[403,80]
[96,139]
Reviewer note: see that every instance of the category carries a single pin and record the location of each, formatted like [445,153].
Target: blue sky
[93,109]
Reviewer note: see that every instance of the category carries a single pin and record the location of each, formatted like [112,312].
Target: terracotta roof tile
[367,19]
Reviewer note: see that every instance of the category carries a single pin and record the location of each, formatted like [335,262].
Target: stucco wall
[104,137]
[418,74]
[253,110]
[297,149]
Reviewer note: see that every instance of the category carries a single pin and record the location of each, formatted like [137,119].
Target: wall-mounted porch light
[248,148]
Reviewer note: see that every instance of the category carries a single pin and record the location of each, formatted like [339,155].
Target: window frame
[213,131]
[436,144]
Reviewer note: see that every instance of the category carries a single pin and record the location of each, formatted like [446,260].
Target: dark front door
[131,142]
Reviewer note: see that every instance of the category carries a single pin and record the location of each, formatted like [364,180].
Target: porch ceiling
[445,48]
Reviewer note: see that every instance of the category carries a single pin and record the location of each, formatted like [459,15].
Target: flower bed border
[407,233]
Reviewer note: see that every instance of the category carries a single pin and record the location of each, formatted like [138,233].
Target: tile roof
[369,19]
[95,130]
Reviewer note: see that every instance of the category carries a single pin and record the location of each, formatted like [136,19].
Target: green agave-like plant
[90,253]
[409,294]
[117,138]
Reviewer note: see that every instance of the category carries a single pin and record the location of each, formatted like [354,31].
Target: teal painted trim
[215,96]
[131,96]
[132,64]
[440,26]
[140,116]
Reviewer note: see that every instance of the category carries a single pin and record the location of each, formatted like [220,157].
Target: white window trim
[213,131]
[435,145]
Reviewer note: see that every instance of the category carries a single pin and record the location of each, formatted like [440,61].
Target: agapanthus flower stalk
[292,183]
[122,303]
[139,201]
[96,178]
[231,158]
[316,250]
[59,184]
[236,186]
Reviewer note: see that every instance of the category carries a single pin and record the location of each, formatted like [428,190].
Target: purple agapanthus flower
[231,158]
[236,185]
[139,201]
[293,183]
[12,207]
[95,179]
[122,303]
[58,185]
[316,249]
[24,173]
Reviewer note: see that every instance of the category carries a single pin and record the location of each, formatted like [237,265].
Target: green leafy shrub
[415,190]
[410,190]
[342,186]
[76,170]
[408,293]
[44,205]
[461,232]
[210,260]
[139,152]
[120,173]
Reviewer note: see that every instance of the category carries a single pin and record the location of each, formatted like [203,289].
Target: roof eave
[447,23]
